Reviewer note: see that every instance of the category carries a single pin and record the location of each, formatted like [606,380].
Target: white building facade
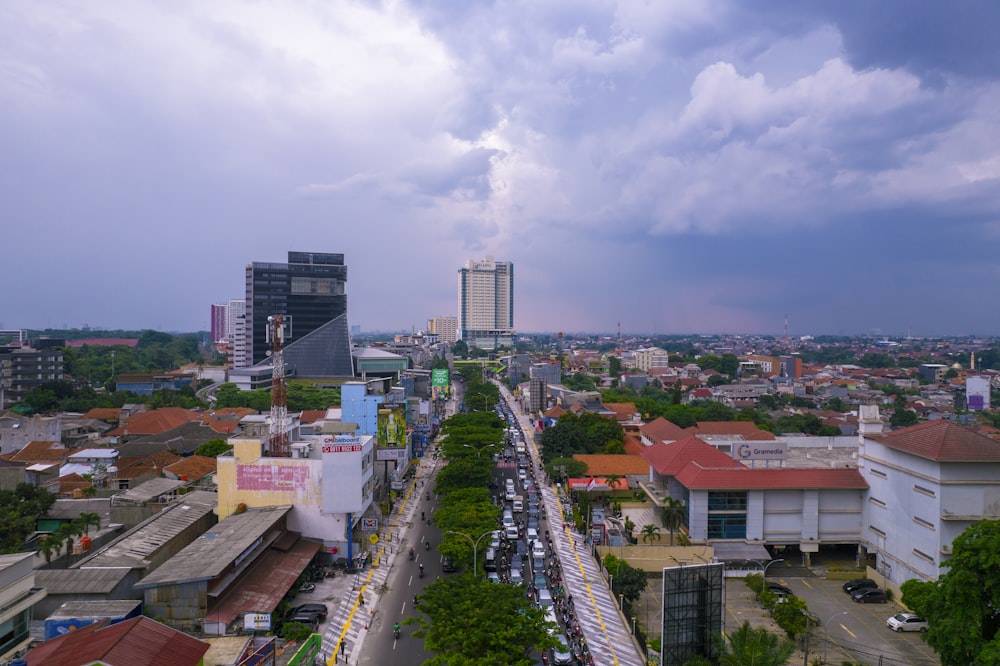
[486,303]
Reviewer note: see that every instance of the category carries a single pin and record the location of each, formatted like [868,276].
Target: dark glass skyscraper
[310,291]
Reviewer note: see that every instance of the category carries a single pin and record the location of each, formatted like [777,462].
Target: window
[922,555]
[877,531]
[920,521]
[727,501]
[877,502]
[924,491]
[879,473]
[727,526]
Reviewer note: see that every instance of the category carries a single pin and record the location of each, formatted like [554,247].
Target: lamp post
[763,576]
[826,637]
[475,547]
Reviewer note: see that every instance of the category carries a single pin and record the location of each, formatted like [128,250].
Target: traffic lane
[861,633]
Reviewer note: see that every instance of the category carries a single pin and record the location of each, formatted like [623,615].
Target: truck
[518,503]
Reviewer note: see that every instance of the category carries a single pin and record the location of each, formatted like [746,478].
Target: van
[491,560]
[518,504]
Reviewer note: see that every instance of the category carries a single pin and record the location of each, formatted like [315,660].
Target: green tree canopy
[213,448]
[465,621]
[19,509]
[754,647]
[963,607]
[586,433]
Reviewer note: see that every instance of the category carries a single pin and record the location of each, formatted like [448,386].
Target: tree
[213,448]
[473,622]
[754,647]
[563,468]
[48,546]
[612,480]
[672,515]
[19,510]
[962,608]
[88,520]
[628,581]
[650,533]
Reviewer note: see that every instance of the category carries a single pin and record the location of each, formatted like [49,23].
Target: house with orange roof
[660,430]
[625,413]
[153,423]
[40,452]
[192,468]
[617,464]
[109,415]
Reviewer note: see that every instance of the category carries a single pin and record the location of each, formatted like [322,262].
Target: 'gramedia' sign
[762,451]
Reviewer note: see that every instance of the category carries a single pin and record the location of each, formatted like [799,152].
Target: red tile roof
[41,452]
[139,641]
[670,459]
[155,422]
[312,415]
[697,477]
[193,467]
[943,441]
[554,412]
[660,429]
[633,445]
[109,414]
[624,411]
[745,429]
[620,464]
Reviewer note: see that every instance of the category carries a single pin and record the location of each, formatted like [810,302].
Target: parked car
[853,586]
[777,588]
[318,609]
[447,564]
[906,622]
[869,595]
[305,617]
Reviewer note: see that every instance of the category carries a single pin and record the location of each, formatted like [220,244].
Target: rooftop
[211,553]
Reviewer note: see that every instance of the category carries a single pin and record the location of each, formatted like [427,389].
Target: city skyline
[680,168]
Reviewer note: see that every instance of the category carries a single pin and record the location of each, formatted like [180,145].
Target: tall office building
[236,328]
[218,322]
[310,291]
[486,303]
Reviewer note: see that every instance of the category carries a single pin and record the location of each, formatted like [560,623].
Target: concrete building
[446,328]
[236,334]
[486,304]
[23,369]
[929,483]
[19,594]
[650,358]
[977,392]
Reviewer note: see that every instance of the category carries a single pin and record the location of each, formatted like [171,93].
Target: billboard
[440,384]
[391,428]
[347,471]
[693,607]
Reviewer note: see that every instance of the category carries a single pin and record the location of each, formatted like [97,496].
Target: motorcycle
[427,497]
[427,545]
[395,630]
[307,587]
[412,554]
[421,572]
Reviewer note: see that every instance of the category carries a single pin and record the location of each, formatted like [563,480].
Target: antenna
[278,430]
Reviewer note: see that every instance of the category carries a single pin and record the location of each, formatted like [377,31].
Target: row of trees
[301,395]
[19,511]
[584,433]
[66,535]
[465,619]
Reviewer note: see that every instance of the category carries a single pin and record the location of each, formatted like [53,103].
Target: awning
[731,551]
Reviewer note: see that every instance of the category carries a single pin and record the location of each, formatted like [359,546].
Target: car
[776,588]
[537,564]
[538,549]
[857,584]
[532,523]
[906,622]
[493,577]
[312,619]
[317,609]
[540,581]
[521,547]
[447,565]
[531,534]
[516,562]
[515,577]
[869,595]
[545,597]
[561,653]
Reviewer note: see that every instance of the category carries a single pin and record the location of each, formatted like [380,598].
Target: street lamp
[475,547]
[826,638]
[763,576]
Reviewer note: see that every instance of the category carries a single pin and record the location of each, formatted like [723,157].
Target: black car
[869,595]
[316,609]
[776,588]
[447,565]
[857,584]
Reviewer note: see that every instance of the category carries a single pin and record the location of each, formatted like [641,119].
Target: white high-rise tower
[486,303]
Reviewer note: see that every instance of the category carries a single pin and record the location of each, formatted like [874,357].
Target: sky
[682,166]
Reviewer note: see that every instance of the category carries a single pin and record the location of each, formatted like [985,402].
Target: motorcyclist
[412,554]
[422,517]
[421,570]
[395,629]
[427,545]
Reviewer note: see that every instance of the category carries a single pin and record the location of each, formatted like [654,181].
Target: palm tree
[672,515]
[755,647]
[89,518]
[612,480]
[65,534]
[650,532]
[48,545]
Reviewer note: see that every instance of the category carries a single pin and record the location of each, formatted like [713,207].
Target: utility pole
[805,658]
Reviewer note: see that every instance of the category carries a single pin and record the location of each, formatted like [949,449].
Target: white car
[538,550]
[906,622]
[531,534]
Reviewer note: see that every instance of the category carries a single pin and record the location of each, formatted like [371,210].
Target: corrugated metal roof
[96,608]
[210,554]
[80,581]
[148,491]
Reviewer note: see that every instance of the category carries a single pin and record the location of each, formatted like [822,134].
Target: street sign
[369,524]
[373,539]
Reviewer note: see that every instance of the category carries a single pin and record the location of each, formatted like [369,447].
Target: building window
[727,526]
[922,555]
[879,473]
[877,502]
[924,491]
[877,531]
[727,501]
[925,523]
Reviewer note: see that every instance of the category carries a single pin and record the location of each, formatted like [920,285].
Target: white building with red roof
[929,483]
